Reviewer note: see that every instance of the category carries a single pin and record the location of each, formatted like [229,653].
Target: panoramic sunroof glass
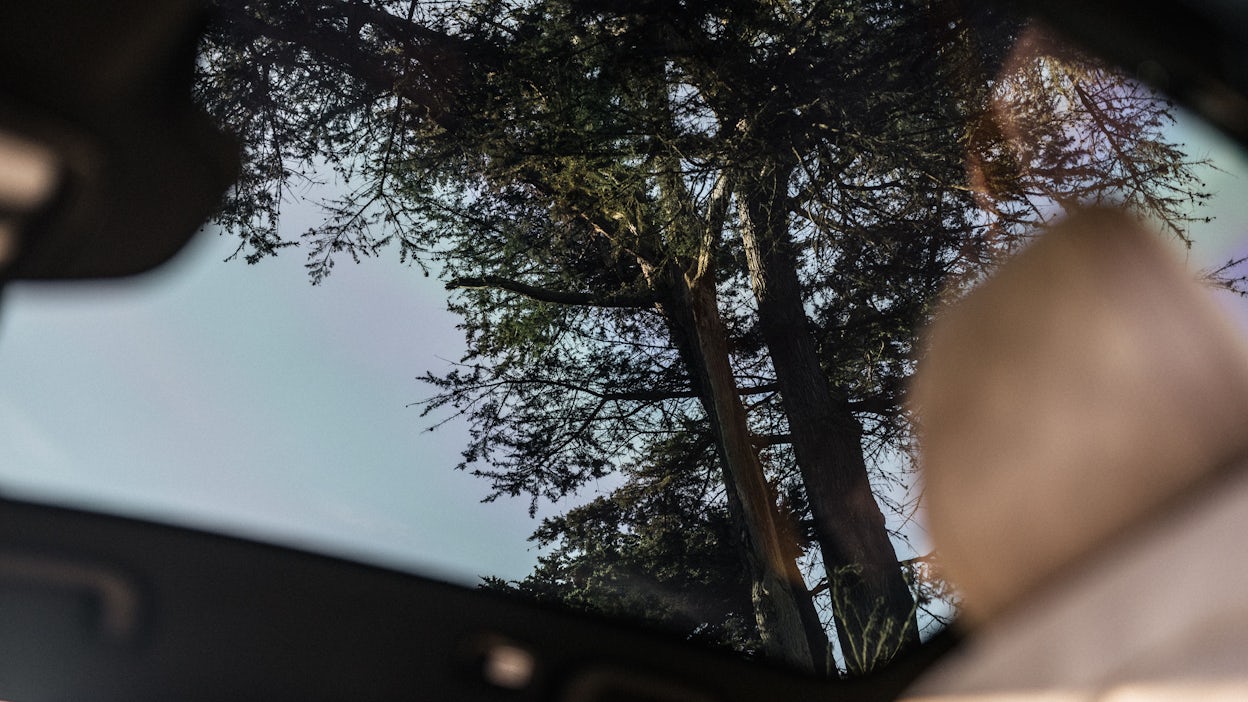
[652,274]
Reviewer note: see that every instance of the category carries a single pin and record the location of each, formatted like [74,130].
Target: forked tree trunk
[872,605]
[816,635]
[784,612]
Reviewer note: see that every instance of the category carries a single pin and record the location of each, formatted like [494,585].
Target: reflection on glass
[690,247]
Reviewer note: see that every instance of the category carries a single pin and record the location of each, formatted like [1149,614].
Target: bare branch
[558,297]
[769,440]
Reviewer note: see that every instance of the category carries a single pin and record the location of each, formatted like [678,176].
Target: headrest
[1087,382]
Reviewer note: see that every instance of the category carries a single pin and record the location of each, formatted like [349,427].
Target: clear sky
[243,399]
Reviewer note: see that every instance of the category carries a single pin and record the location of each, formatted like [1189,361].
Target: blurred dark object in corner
[106,166]
[1191,50]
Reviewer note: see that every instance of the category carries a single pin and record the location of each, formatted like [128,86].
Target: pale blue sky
[243,399]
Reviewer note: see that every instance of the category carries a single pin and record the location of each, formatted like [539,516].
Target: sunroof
[649,277]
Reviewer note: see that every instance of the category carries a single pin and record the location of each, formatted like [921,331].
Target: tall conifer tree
[690,244]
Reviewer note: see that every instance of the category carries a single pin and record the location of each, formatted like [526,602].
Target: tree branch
[558,297]
[769,440]
[654,395]
[441,58]
[875,404]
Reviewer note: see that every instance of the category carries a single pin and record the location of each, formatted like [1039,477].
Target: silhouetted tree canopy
[690,245]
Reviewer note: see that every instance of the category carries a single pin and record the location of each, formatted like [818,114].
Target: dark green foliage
[660,547]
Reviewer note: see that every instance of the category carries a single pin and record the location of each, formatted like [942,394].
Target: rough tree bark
[777,594]
[873,608]
[785,614]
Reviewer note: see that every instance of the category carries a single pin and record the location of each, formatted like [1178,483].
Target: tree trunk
[816,635]
[872,605]
[784,611]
